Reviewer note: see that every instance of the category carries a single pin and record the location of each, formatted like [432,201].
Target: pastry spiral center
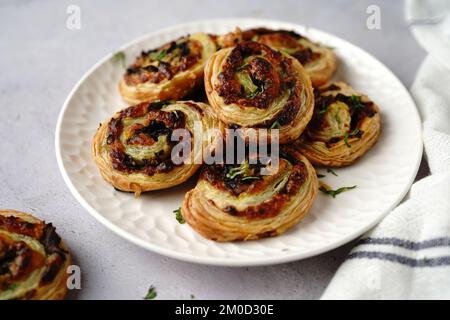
[338,116]
[17,261]
[254,75]
[290,44]
[335,123]
[30,255]
[165,62]
[140,139]
[147,140]
[240,190]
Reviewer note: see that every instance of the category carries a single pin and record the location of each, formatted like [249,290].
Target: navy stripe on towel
[425,262]
[411,245]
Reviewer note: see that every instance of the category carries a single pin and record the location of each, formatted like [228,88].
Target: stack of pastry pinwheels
[269,86]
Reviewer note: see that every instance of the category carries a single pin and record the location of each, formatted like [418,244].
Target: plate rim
[228,262]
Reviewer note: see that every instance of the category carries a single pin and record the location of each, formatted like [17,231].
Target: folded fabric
[429,11]
[430,25]
[407,256]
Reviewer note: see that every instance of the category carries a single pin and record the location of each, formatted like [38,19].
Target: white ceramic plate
[383,176]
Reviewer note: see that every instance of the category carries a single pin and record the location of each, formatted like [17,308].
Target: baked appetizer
[345,125]
[254,86]
[168,72]
[33,259]
[318,60]
[133,150]
[238,202]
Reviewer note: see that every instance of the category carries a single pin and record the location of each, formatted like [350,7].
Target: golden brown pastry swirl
[33,259]
[345,125]
[237,202]
[254,86]
[318,60]
[169,72]
[133,150]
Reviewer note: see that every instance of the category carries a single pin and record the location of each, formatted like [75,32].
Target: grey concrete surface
[41,60]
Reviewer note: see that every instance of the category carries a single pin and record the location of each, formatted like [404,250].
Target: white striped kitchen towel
[407,256]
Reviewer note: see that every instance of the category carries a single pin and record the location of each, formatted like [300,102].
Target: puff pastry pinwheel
[345,125]
[133,150]
[33,259]
[254,86]
[318,60]
[237,202]
[168,72]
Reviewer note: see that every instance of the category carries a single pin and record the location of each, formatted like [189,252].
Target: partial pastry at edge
[33,259]
[133,150]
[252,86]
[346,124]
[169,72]
[237,202]
[318,60]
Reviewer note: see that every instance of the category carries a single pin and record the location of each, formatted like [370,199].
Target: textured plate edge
[259,261]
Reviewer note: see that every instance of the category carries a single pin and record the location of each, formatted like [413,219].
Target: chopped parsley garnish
[329,170]
[334,193]
[346,140]
[255,93]
[158,55]
[233,173]
[250,89]
[356,102]
[354,133]
[242,170]
[119,57]
[275,125]
[179,216]
[323,108]
[151,294]
[250,178]
[12,286]
[332,172]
